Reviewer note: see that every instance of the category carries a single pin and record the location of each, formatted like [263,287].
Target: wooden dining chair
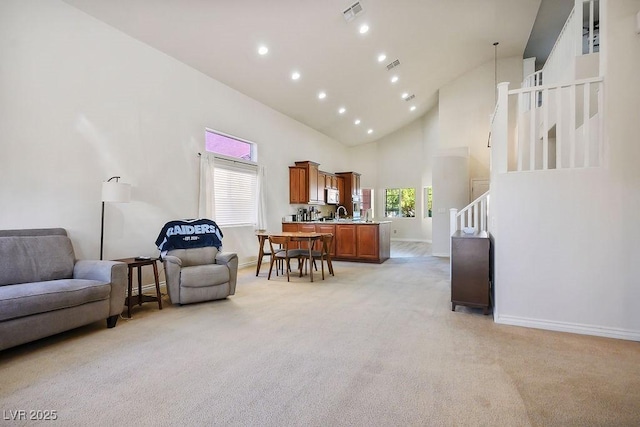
[284,253]
[323,254]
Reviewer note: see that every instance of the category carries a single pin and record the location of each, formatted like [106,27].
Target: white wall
[450,190]
[465,107]
[82,102]
[567,241]
[401,159]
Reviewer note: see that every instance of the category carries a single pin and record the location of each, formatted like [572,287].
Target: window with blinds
[235,187]
[235,176]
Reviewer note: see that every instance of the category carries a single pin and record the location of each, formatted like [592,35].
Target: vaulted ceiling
[434,41]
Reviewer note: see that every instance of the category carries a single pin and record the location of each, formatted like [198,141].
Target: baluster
[521,99]
[475,216]
[545,129]
[453,220]
[600,126]
[586,125]
[572,126]
[532,132]
[559,128]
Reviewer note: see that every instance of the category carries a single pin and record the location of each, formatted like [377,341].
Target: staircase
[555,121]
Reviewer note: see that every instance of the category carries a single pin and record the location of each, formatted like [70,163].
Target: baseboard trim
[441,254]
[395,239]
[575,328]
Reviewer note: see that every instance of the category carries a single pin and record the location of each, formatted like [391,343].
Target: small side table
[140,298]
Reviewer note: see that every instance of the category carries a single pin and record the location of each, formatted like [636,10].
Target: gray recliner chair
[200,274]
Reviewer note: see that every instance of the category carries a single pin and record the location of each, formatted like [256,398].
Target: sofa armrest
[229,259]
[172,266]
[113,272]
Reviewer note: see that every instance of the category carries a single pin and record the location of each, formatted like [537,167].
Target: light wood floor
[401,249]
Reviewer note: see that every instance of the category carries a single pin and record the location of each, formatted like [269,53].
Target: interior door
[478,188]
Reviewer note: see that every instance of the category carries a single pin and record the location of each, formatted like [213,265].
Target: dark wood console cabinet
[470,270]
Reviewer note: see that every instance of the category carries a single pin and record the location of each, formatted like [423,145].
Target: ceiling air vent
[351,13]
[409,98]
[393,64]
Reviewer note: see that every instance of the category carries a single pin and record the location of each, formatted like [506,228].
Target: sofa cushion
[198,276]
[26,299]
[195,256]
[26,259]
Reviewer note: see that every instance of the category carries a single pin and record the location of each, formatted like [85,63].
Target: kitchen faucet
[338,211]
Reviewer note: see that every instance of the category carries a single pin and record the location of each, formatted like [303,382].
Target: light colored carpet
[376,345]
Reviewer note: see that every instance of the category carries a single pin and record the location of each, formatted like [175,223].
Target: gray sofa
[200,274]
[44,290]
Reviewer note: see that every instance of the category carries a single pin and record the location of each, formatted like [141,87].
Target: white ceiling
[434,40]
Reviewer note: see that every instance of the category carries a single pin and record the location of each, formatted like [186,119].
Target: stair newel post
[453,224]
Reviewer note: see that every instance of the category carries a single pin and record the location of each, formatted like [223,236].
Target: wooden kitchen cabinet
[470,270]
[340,186]
[322,184]
[306,227]
[346,238]
[351,184]
[303,184]
[367,237]
[326,228]
[357,242]
[298,185]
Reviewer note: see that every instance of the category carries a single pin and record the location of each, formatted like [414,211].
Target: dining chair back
[282,254]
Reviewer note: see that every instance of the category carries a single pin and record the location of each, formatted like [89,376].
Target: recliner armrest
[225,257]
[172,266]
[230,259]
[172,260]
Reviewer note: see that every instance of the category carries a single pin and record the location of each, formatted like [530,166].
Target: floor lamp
[113,192]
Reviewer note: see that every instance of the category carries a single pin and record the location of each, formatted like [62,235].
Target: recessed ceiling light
[394,79]
[322,95]
[370,131]
[342,110]
[364,28]
[382,57]
[405,95]
[263,50]
[295,75]
[356,122]
[413,108]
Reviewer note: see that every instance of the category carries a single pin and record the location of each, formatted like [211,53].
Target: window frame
[400,215]
[222,203]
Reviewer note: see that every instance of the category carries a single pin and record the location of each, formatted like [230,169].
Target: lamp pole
[102,219]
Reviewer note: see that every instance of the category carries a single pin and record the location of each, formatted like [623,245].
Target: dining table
[299,236]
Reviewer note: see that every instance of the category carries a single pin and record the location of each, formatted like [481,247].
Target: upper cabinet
[351,184]
[303,184]
[307,184]
[298,191]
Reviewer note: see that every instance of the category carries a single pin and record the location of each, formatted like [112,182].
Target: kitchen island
[357,241]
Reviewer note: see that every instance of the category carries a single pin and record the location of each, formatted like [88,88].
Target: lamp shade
[116,192]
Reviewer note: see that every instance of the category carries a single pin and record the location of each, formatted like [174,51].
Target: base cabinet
[351,242]
[346,241]
[367,236]
[470,270]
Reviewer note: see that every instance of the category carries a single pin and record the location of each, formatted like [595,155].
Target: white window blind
[235,186]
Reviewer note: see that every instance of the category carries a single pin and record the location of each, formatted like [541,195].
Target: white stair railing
[475,214]
[563,130]
[580,35]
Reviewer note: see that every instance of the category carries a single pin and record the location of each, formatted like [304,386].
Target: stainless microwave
[333,196]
